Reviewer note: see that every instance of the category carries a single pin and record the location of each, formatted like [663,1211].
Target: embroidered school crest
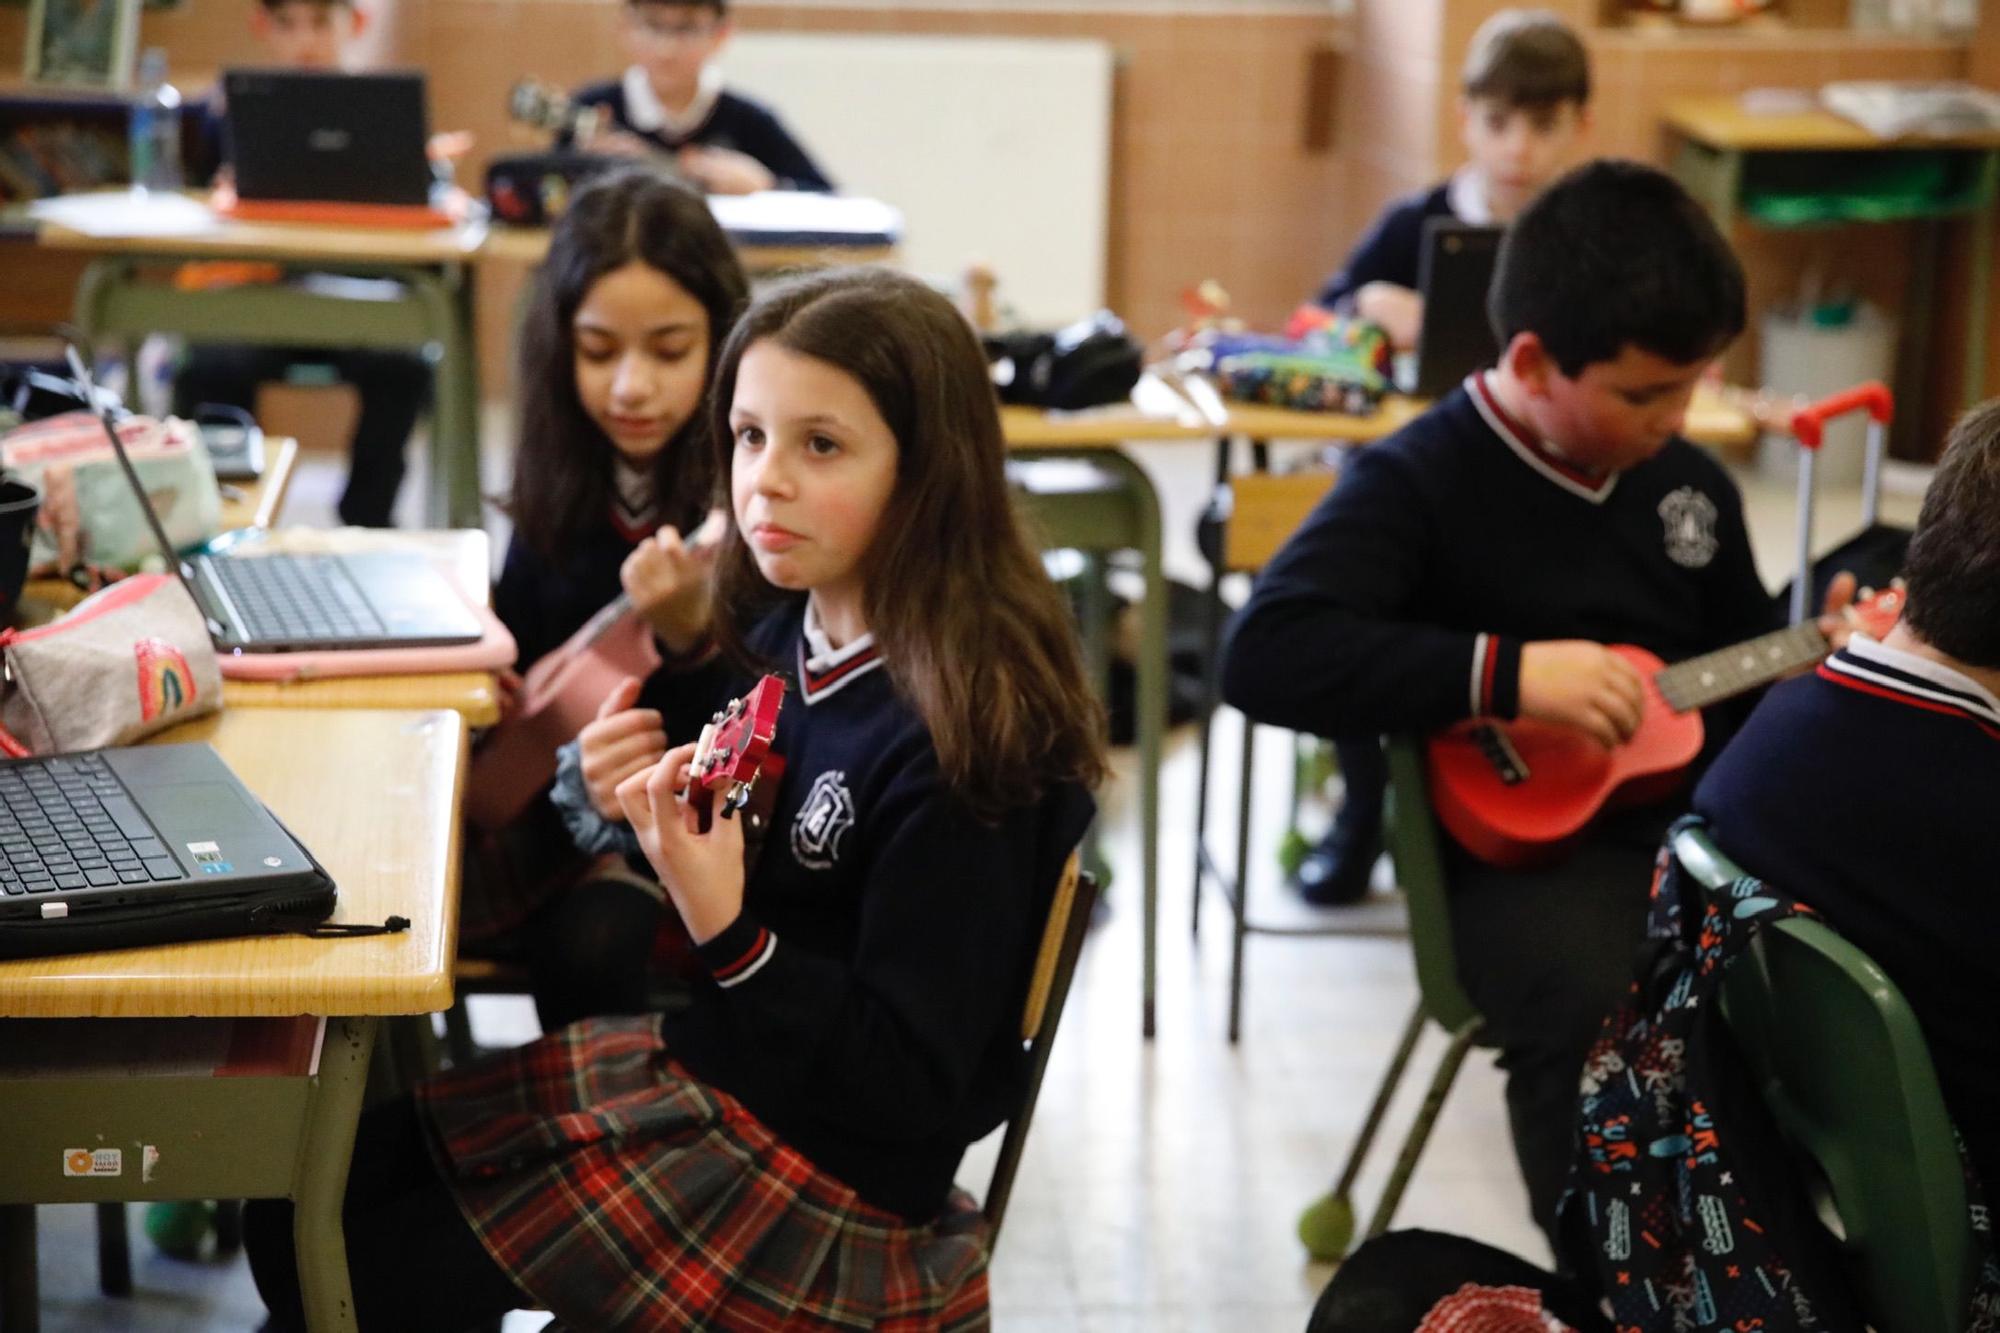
[1689,517]
[823,821]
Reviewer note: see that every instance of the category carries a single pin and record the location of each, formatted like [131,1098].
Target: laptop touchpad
[202,809]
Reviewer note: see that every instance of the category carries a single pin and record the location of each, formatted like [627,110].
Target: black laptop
[295,602]
[139,827]
[1453,274]
[314,136]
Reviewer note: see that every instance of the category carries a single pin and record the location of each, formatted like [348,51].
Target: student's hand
[622,741]
[1834,622]
[1398,310]
[449,146]
[668,580]
[508,683]
[1582,684]
[724,170]
[621,143]
[701,872]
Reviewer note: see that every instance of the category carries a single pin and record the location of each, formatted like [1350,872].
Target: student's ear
[724,30]
[1528,362]
[260,23]
[358,21]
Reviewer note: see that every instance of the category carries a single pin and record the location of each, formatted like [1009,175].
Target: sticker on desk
[204,851]
[93,1162]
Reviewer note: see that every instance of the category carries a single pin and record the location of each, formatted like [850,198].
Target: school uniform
[715,119]
[785,1147]
[1868,790]
[1392,250]
[1402,605]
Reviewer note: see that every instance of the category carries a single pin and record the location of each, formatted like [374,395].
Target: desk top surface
[1721,122]
[373,795]
[182,227]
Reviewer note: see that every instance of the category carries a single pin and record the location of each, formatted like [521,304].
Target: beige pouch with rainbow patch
[128,661]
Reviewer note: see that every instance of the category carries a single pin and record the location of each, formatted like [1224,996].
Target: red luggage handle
[1809,421]
[1808,426]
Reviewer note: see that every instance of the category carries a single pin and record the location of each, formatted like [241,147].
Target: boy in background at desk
[1524,104]
[1477,562]
[670,101]
[393,386]
[1867,790]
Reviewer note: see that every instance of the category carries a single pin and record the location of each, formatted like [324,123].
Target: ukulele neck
[1728,672]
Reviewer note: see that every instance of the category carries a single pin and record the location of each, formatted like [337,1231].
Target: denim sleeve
[591,831]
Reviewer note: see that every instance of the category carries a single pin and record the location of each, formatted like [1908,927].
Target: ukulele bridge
[1499,751]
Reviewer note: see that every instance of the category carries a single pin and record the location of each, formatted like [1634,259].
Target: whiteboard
[995,149]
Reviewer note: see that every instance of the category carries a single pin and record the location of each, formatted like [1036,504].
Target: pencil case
[1302,383]
[69,460]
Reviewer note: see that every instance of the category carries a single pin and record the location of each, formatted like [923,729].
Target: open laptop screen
[319,136]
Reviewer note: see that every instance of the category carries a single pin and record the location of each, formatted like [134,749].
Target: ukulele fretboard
[1713,677]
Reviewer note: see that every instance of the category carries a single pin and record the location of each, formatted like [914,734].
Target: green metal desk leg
[20,1299]
[452,493]
[1977,303]
[1151,679]
[326,1147]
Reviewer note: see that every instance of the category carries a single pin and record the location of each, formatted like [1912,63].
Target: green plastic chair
[1327,1226]
[1839,1058]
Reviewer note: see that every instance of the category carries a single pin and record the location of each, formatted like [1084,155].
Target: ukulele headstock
[1876,613]
[734,746]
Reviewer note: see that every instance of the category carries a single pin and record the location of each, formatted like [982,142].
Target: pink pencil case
[495,651]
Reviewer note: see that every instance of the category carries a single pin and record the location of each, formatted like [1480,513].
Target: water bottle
[156,127]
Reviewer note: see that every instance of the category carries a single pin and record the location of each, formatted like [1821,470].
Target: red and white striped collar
[1904,677]
[1529,448]
[824,669]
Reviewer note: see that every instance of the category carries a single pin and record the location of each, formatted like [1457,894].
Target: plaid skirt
[622,1193]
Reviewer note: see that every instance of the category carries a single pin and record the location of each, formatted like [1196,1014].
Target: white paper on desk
[126,213]
[783,213]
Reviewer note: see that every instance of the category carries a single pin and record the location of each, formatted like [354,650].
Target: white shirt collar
[645,112]
[821,655]
[1937,673]
[1466,194]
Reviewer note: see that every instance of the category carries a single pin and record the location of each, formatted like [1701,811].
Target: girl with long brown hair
[782,1152]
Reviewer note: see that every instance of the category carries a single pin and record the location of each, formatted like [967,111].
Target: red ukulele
[735,750]
[1514,793]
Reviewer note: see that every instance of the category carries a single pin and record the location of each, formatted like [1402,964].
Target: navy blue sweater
[734,122]
[1868,790]
[1402,602]
[1393,247]
[866,1004]
[542,601]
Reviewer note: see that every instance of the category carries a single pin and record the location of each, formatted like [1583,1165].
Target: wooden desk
[128,292]
[387,830]
[528,246]
[1717,150]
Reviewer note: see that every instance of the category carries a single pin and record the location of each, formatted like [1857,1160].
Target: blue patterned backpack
[1683,1202]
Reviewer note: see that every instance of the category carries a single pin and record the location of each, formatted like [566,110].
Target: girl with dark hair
[613,471]
[781,1153]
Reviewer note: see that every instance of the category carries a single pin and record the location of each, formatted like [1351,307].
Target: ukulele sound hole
[1501,754]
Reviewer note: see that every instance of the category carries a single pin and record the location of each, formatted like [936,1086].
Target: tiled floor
[1162,1180]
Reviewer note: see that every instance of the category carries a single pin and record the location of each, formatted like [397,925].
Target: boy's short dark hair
[1616,253]
[1953,568]
[1526,58]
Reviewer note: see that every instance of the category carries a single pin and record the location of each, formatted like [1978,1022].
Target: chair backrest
[1265,509]
[1838,1057]
[1048,988]
[1415,844]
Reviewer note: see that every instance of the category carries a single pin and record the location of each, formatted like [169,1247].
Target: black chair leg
[228,1226]
[114,1250]
[20,1297]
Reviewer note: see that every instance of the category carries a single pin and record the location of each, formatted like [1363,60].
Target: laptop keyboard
[66,823]
[292,598]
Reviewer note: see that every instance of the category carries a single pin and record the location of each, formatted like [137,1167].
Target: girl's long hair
[563,466]
[970,628]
